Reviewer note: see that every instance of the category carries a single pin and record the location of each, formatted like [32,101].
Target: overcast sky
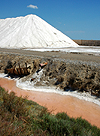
[78,19]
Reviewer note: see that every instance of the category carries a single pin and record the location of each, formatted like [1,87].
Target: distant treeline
[88,42]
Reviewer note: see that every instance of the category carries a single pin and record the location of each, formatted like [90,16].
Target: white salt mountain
[31,32]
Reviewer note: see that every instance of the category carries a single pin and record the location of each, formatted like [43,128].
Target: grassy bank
[21,117]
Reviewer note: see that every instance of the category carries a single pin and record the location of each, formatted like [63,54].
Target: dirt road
[58,55]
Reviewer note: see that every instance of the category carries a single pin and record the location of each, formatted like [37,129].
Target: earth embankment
[72,71]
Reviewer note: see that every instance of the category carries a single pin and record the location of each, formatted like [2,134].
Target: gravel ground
[78,57]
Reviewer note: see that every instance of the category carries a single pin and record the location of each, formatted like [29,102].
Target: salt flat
[95,50]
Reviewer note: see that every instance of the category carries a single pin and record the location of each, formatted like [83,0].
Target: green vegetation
[21,117]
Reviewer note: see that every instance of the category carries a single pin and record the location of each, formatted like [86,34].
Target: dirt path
[58,103]
[58,55]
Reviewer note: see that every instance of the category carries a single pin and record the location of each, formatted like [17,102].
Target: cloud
[32,6]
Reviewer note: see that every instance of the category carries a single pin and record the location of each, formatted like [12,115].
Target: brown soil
[59,55]
[58,103]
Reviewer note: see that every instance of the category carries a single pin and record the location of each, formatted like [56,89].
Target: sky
[78,19]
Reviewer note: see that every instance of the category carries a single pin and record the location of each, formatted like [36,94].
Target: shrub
[14,104]
[62,115]
[20,117]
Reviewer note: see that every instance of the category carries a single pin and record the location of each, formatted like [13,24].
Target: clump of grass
[21,117]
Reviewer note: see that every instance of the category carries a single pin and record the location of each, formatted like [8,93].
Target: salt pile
[31,32]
